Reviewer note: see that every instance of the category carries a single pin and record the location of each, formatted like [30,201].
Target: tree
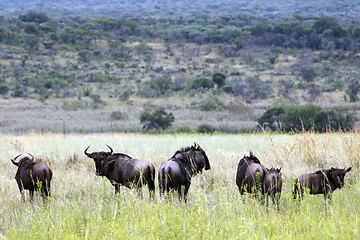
[353,86]
[308,73]
[158,119]
[272,118]
[258,89]
[219,79]
[161,85]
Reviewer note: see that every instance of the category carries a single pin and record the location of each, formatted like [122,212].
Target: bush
[208,105]
[307,117]
[184,129]
[206,128]
[4,89]
[228,89]
[117,115]
[201,82]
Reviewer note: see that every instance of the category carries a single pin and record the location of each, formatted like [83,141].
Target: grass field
[83,205]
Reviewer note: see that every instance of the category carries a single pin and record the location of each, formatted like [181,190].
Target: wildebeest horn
[32,157]
[251,153]
[87,154]
[13,160]
[110,149]
[196,145]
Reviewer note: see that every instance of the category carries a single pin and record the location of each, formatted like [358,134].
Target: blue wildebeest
[122,169]
[272,186]
[180,168]
[320,182]
[32,176]
[250,175]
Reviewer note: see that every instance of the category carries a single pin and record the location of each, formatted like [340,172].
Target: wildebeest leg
[151,186]
[139,190]
[298,190]
[277,199]
[22,192]
[187,186]
[267,201]
[31,195]
[44,191]
[179,191]
[327,197]
[117,188]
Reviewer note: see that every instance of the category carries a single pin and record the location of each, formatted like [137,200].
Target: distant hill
[175,8]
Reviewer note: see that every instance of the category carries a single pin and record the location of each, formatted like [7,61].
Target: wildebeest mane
[323,171]
[26,160]
[186,161]
[123,155]
[183,150]
[108,163]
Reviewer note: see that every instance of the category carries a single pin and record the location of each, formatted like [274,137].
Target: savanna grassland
[83,205]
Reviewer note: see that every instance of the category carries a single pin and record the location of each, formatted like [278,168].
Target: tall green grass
[83,206]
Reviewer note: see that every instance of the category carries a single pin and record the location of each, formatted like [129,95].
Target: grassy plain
[83,206]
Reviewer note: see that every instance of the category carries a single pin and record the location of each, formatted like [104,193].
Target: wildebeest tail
[151,178]
[259,179]
[161,180]
[168,180]
[44,184]
[296,189]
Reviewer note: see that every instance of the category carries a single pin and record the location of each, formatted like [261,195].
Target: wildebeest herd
[251,177]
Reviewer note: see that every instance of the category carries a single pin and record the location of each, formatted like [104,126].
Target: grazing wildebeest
[122,169]
[321,182]
[180,168]
[272,186]
[32,176]
[250,175]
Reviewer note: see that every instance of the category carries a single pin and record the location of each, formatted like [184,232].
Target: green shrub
[206,128]
[228,89]
[307,117]
[200,82]
[184,129]
[208,105]
[4,89]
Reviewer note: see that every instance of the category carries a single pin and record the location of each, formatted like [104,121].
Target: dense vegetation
[207,56]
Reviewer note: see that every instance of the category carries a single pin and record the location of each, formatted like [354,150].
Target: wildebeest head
[98,158]
[23,160]
[201,158]
[275,170]
[337,175]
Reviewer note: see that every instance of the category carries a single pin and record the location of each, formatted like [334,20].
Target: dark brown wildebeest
[32,176]
[122,169]
[180,168]
[320,182]
[272,186]
[250,175]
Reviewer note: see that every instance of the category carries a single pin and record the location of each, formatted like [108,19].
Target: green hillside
[232,61]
